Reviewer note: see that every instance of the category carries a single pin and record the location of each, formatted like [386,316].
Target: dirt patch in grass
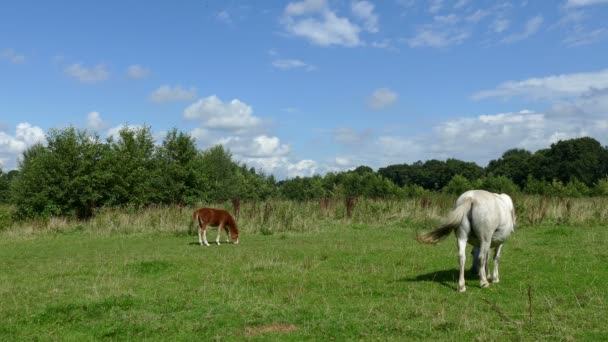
[271,328]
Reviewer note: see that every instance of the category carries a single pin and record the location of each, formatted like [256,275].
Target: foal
[215,218]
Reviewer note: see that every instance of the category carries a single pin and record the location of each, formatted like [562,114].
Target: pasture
[342,280]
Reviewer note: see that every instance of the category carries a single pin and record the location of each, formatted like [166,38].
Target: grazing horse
[216,218]
[484,220]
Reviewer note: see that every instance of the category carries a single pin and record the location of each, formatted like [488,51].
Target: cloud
[581,3]
[114,131]
[551,87]
[95,74]
[443,32]
[12,146]
[531,27]
[350,136]
[303,168]
[382,98]
[305,7]
[137,72]
[500,25]
[364,10]
[167,93]
[94,121]
[435,6]
[12,56]
[216,114]
[288,64]
[316,22]
[579,36]
[224,17]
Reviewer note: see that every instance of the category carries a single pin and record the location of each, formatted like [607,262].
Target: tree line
[76,173]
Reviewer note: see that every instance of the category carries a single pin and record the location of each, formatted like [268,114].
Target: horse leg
[462,258]
[219,233]
[202,230]
[495,278]
[483,263]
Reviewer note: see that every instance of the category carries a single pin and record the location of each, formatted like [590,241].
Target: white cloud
[382,98]
[97,73]
[579,36]
[350,136]
[287,64]
[224,17]
[364,10]
[305,7]
[531,27]
[551,87]
[435,6]
[261,146]
[167,93]
[137,72]
[461,3]
[303,168]
[581,3]
[12,146]
[500,25]
[12,56]
[114,131]
[216,114]
[94,121]
[316,22]
[438,36]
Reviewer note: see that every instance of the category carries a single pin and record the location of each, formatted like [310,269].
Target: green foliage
[179,177]
[5,185]
[497,184]
[514,164]
[220,174]
[63,178]
[601,187]
[458,185]
[303,188]
[128,165]
[432,174]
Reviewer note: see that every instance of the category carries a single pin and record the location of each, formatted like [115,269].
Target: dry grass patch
[272,328]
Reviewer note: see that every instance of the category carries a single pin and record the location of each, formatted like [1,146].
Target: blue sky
[304,87]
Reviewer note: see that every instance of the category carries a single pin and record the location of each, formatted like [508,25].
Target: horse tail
[452,223]
[197,219]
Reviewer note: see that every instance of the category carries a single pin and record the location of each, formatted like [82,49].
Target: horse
[484,220]
[216,218]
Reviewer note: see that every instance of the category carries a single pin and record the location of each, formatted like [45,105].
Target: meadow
[303,271]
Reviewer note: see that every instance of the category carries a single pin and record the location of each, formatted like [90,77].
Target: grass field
[342,281]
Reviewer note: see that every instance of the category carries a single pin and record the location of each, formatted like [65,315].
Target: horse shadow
[447,278]
[211,243]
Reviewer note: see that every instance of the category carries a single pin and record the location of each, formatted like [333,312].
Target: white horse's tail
[452,222]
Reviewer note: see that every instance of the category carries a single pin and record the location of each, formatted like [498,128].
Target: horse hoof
[462,289]
[485,285]
[218,243]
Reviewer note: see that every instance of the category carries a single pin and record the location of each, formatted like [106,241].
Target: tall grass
[274,216]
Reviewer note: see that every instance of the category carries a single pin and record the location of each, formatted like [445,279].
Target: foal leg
[203,231]
[495,278]
[219,233]
[462,258]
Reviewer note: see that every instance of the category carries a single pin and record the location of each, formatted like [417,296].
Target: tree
[584,159]
[63,178]
[220,174]
[514,164]
[130,161]
[180,178]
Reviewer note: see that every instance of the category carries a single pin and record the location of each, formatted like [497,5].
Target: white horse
[484,220]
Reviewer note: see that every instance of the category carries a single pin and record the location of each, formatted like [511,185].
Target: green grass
[341,281]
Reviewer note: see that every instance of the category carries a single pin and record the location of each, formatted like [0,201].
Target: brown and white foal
[215,218]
